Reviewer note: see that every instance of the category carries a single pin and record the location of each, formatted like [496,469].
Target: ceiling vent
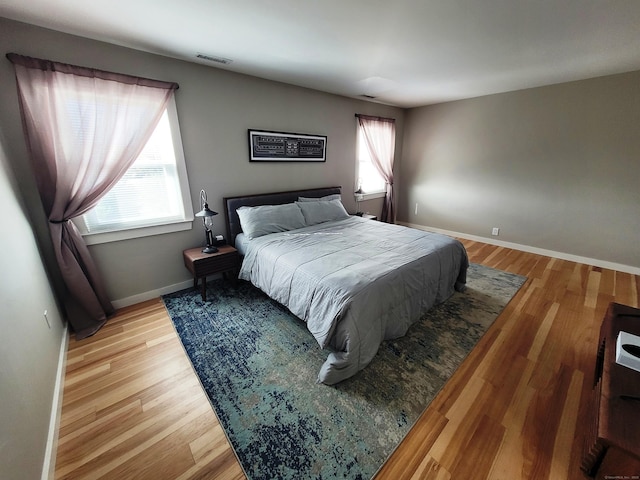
[368,96]
[211,58]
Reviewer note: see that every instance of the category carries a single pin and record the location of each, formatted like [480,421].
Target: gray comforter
[355,283]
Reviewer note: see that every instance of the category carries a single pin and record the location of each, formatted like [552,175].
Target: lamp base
[209,249]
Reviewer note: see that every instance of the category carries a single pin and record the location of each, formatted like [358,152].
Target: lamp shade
[206,212]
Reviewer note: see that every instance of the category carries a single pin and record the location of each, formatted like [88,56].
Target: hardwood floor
[515,409]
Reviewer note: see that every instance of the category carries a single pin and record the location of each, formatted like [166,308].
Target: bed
[354,282]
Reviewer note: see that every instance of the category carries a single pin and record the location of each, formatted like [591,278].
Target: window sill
[106,237]
[360,197]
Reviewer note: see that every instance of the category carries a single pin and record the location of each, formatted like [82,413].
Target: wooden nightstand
[226,261]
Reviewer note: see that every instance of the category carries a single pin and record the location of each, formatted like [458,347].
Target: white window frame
[365,195]
[94,238]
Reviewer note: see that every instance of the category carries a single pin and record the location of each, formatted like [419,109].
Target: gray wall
[556,168]
[215,109]
[29,349]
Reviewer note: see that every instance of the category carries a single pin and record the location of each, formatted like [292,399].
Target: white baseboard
[143,297]
[529,249]
[49,466]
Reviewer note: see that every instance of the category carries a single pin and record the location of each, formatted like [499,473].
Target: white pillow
[265,219]
[322,211]
[333,196]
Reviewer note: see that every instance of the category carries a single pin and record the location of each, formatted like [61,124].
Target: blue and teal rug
[258,365]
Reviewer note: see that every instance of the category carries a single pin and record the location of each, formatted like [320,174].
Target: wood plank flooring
[134,409]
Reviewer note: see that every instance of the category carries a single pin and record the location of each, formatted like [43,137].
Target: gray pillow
[265,219]
[322,211]
[334,196]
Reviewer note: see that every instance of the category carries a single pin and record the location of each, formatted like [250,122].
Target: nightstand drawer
[219,264]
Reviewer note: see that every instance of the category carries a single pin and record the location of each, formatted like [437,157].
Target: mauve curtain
[380,140]
[83,128]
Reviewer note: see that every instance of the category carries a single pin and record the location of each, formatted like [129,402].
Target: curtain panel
[83,129]
[380,141]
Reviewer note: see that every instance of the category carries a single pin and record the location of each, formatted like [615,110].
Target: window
[153,195]
[368,179]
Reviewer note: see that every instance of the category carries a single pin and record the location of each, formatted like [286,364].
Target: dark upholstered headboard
[231,204]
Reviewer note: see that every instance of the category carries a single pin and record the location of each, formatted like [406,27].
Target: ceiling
[402,52]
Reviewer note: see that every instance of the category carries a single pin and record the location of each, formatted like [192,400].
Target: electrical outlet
[47,319]
[416,210]
[495,231]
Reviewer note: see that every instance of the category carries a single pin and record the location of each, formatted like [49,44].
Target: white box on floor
[628,350]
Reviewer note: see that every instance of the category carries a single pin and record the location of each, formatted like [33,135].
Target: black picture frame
[270,146]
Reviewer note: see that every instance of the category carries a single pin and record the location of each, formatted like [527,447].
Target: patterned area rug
[259,364]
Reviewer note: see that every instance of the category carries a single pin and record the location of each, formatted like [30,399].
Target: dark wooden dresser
[612,446]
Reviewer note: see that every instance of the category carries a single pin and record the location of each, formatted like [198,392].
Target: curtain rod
[372,117]
[49,65]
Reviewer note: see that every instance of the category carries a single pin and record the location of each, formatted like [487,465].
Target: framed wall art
[266,146]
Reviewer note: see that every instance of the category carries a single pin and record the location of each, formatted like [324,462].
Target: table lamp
[206,215]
